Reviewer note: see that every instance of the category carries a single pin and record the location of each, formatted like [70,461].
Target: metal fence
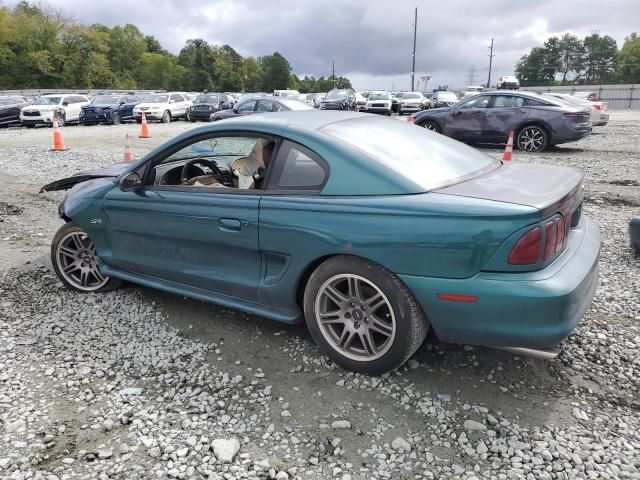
[618,97]
[34,92]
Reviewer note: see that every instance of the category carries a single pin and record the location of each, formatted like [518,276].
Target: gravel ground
[138,384]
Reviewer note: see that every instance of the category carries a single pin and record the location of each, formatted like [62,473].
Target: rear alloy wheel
[166,117]
[362,316]
[532,138]
[433,126]
[75,261]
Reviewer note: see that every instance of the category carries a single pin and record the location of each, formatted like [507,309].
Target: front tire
[61,119]
[166,117]
[75,261]
[433,126]
[115,118]
[532,138]
[362,316]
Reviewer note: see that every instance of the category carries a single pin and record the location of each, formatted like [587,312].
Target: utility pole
[333,72]
[413,55]
[491,55]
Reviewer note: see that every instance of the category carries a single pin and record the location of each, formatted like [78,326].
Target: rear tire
[74,260]
[362,316]
[532,138]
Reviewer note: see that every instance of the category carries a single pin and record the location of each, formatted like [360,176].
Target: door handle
[232,224]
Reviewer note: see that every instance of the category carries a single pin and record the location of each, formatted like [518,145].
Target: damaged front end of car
[66,183]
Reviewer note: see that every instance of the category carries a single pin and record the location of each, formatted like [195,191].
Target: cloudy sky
[370,40]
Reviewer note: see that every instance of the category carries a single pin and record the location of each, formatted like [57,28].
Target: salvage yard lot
[209,373]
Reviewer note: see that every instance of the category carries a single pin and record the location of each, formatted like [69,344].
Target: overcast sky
[370,40]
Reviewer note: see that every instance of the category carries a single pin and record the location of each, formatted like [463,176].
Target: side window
[247,106]
[175,98]
[530,102]
[478,101]
[507,101]
[267,106]
[298,168]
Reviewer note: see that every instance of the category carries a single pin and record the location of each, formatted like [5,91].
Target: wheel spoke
[354,288]
[367,342]
[332,317]
[346,338]
[335,295]
[84,277]
[70,267]
[375,302]
[68,252]
[380,326]
[78,242]
[97,275]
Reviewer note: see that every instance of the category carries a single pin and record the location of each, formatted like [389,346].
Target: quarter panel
[425,234]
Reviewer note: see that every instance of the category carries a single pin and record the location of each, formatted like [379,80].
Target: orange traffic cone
[144,128]
[411,119]
[507,155]
[127,150]
[58,142]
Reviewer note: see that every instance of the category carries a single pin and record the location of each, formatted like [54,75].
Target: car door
[202,237]
[267,106]
[504,114]
[247,108]
[466,121]
[176,105]
[9,110]
[290,196]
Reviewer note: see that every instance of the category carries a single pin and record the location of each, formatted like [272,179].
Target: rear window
[429,159]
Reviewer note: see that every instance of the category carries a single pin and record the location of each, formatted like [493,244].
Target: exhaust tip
[541,353]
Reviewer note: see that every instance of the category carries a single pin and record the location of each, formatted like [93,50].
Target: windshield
[336,95]
[411,95]
[448,96]
[207,99]
[47,101]
[428,159]
[157,99]
[106,100]
[379,96]
[215,147]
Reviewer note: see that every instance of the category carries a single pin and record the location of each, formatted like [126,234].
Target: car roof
[304,127]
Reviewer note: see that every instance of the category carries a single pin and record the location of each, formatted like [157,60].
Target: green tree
[198,58]
[294,82]
[126,46]
[628,60]
[275,72]
[532,69]
[160,71]
[229,70]
[252,75]
[599,58]
[571,56]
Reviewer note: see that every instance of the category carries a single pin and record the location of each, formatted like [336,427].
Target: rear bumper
[534,310]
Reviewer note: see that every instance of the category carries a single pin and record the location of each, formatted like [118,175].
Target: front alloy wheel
[75,261]
[362,316]
[532,139]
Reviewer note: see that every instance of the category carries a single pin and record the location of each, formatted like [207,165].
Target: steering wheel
[184,176]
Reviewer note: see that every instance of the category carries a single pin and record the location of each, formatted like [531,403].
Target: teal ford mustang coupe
[371,230]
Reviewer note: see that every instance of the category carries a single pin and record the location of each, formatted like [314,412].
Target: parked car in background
[599,116]
[369,229]
[395,102]
[378,102]
[10,108]
[508,82]
[538,121]
[65,108]
[111,109]
[472,90]
[411,102]
[314,99]
[163,107]
[444,99]
[246,96]
[339,99]
[285,93]
[207,103]
[591,96]
[261,105]
[361,101]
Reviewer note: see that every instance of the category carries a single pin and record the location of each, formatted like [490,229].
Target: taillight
[527,250]
[576,114]
[559,234]
[550,243]
[598,106]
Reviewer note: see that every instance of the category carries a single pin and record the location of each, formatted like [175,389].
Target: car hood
[149,105]
[42,108]
[68,182]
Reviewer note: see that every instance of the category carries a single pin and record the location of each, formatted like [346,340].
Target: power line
[471,75]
